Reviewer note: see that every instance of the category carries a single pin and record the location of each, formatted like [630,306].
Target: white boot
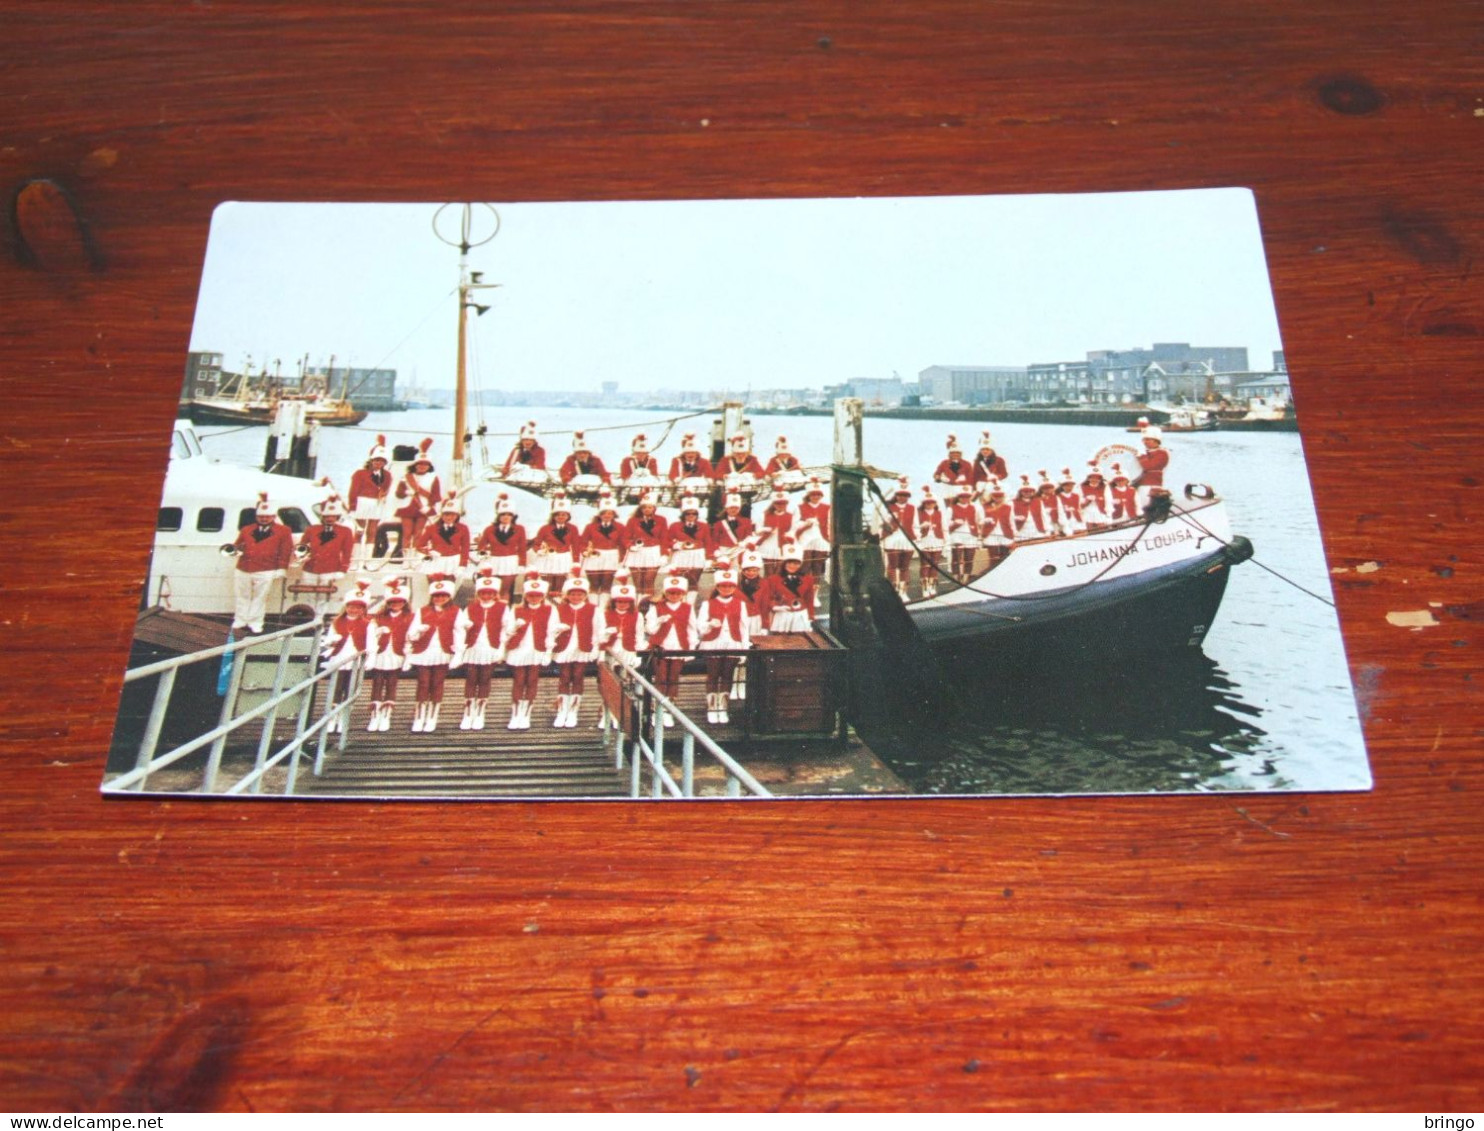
[573,703]
[419,718]
[710,706]
[375,717]
[721,709]
[561,713]
[739,683]
[526,706]
[478,722]
[467,722]
[432,723]
[514,723]
[386,715]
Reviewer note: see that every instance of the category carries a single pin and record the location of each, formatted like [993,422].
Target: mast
[468,281]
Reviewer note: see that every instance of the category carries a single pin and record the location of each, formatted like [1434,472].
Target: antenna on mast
[468,281]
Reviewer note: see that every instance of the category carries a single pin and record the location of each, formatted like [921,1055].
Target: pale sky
[712,294]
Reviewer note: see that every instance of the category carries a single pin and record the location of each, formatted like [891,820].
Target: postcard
[658,500]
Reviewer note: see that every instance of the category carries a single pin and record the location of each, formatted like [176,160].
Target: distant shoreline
[986,414]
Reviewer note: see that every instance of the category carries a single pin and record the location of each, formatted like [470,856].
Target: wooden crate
[793,680]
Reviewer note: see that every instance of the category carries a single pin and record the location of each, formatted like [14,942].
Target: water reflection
[1173,725]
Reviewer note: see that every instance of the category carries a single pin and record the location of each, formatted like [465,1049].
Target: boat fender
[1239,549]
[228,550]
[1158,508]
[1198,491]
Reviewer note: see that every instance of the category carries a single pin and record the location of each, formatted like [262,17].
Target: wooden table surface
[1315,951]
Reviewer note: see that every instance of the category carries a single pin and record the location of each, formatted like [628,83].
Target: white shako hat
[751,559]
[993,486]
[424,446]
[528,430]
[503,505]
[606,502]
[781,444]
[1067,478]
[378,451]
[816,486]
[740,442]
[1045,481]
[649,499]
[953,445]
[360,594]
[928,496]
[1094,469]
[441,583]
[690,503]
[641,444]
[333,506]
[1142,422]
[985,441]
[622,593]
[903,488]
[450,504]
[579,442]
[779,497]
[688,443]
[733,500]
[533,585]
[560,504]
[790,552]
[725,577]
[1153,432]
[263,509]
[393,589]
[1025,484]
[486,582]
[622,575]
[575,581]
[675,584]
[1118,473]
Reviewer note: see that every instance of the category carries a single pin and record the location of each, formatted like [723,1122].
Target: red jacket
[1029,511]
[1153,464]
[513,545]
[820,513]
[724,537]
[329,547]
[963,516]
[901,516]
[930,520]
[776,593]
[1070,503]
[701,469]
[441,621]
[596,538]
[627,626]
[1096,499]
[273,550]
[652,534]
[487,621]
[525,620]
[358,630]
[998,520]
[947,473]
[547,540]
[780,521]
[630,464]
[679,538]
[578,619]
[434,539]
[364,484]
[571,469]
[783,461]
[995,468]
[731,611]
[1125,503]
[534,459]
[729,466]
[419,497]
[396,643]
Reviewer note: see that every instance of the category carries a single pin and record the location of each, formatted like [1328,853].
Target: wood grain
[1232,952]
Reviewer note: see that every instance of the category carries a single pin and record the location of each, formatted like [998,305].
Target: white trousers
[251,590]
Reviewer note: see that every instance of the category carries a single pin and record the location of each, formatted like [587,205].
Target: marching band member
[740,461]
[1026,511]
[690,543]
[389,652]
[639,462]
[557,545]
[1068,503]
[988,464]
[623,625]
[750,584]
[732,532]
[690,463]
[349,637]
[786,602]
[432,647]
[1152,463]
[955,469]
[963,533]
[774,525]
[370,495]
[325,550]
[528,454]
[814,528]
[604,543]
[998,523]
[574,646]
[783,459]
[930,541]
[480,633]
[1050,509]
[900,522]
[1097,499]
[671,625]
[445,544]
[419,494]
[645,535]
[263,550]
[583,462]
[1125,500]
[502,545]
[527,648]
[725,622]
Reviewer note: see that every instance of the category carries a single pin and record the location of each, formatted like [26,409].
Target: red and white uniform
[782,461]
[1152,464]
[774,524]
[786,602]
[672,627]
[998,524]
[647,539]
[555,548]
[1125,503]
[1097,503]
[900,522]
[751,591]
[987,467]
[690,465]
[389,650]
[504,547]
[813,532]
[264,552]
[528,635]
[480,630]
[373,486]
[575,638]
[604,545]
[448,545]
[329,545]
[583,463]
[728,536]
[963,525]
[725,622]
[641,464]
[739,463]
[348,638]
[532,459]
[929,531]
[430,640]
[690,546]
[419,495]
[623,634]
[959,472]
[1069,506]
[1028,517]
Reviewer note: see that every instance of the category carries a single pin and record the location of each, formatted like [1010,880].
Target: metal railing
[332,717]
[646,744]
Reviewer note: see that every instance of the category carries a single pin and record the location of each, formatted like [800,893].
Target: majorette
[393,617]
[689,542]
[646,534]
[813,532]
[954,468]
[1124,498]
[432,647]
[604,543]
[639,463]
[583,469]
[557,545]
[988,464]
[418,494]
[445,544]
[528,640]
[732,531]
[671,625]
[725,625]
[1097,500]
[1027,511]
[348,639]
[740,463]
[690,463]
[574,646]
[898,529]
[502,545]
[787,601]
[783,459]
[528,455]
[1068,502]
[1152,463]
[775,524]
[480,632]
[371,485]
[325,550]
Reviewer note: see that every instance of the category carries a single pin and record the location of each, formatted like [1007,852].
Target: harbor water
[1265,705]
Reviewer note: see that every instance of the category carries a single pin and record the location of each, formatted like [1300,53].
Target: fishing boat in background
[245,399]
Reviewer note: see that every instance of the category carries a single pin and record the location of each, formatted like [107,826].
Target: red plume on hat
[502,504]
[528,430]
[1118,472]
[1026,484]
[928,496]
[641,443]
[264,507]
[816,486]
[782,444]
[378,451]
[953,444]
[424,446]
[903,487]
